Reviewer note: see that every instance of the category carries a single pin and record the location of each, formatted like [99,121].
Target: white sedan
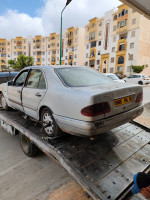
[114,77]
[140,79]
[76,100]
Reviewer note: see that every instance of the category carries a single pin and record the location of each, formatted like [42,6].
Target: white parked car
[114,77]
[140,79]
[76,100]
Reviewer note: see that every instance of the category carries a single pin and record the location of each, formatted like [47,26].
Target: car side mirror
[10,83]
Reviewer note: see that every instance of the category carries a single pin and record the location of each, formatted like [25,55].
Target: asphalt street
[146,94]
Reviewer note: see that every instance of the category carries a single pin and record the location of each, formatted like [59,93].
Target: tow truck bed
[104,167]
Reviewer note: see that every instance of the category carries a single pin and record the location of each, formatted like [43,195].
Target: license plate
[122,101]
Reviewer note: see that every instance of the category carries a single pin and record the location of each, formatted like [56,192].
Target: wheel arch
[41,109]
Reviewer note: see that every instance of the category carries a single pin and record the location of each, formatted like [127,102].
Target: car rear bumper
[82,128]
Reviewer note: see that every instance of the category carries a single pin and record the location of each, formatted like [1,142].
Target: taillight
[139,97]
[96,109]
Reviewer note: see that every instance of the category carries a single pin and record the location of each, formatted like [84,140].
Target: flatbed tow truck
[104,166]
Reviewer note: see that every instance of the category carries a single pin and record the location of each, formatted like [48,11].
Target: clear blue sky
[23,6]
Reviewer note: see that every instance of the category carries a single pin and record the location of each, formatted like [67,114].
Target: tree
[137,69]
[22,61]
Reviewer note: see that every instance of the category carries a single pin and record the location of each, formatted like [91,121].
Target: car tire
[27,146]
[140,83]
[3,102]
[49,125]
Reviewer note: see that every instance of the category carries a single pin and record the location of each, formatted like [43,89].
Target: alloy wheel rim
[47,119]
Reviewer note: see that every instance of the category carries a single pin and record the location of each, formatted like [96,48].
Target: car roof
[53,66]
[109,73]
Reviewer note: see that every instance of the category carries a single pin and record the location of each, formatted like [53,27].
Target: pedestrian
[141,184]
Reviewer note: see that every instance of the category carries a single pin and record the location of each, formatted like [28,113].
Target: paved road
[146,94]
[26,178]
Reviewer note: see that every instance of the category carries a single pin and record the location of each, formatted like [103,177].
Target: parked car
[77,100]
[7,76]
[114,77]
[140,79]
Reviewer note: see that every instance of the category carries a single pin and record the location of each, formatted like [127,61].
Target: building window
[121,60]
[111,70]
[133,21]
[133,34]
[122,47]
[86,63]
[115,17]
[100,33]
[131,45]
[122,24]
[49,46]
[126,22]
[38,59]
[43,53]
[49,53]
[75,55]
[43,59]
[113,49]
[66,50]
[92,54]
[98,62]
[112,60]
[114,39]
[57,44]
[99,43]
[99,53]
[74,63]
[87,55]
[130,57]
[100,24]
[118,25]
[114,28]
[66,57]
[24,47]
[93,44]
[92,63]
[93,25]
[87,46]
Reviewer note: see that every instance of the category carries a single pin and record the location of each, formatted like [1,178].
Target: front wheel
[3,102]
[49,124]
[27,146]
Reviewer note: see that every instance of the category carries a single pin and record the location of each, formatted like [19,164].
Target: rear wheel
[27,146]
[140,83]
[49,124]
[3,102]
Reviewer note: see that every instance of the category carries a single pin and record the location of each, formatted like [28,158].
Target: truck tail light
[96,109]
[139,97]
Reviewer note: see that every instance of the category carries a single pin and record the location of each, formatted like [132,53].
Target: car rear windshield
[81,77]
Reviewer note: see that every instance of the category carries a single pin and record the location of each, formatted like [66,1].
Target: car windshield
[81,77]
[113,77]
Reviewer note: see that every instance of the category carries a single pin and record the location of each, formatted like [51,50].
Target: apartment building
[109,44]
[117,41]
[74,46]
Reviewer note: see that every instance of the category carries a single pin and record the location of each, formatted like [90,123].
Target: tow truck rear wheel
[3,102]
[27,146]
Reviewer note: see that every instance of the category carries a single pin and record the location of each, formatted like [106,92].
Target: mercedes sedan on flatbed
[76,100]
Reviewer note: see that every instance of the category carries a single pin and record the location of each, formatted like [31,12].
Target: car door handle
[38,94]
[19,91]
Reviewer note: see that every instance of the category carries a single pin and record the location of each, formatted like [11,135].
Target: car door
[130,79]
[14,90]
[33,92]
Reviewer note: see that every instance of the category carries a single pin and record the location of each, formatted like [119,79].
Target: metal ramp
[104,166]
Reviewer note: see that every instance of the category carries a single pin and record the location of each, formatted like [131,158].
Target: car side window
[130,76]
[42,83]
[21,79]
[34,78]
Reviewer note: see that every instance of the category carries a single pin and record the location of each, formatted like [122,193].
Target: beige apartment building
[118,40]
[109,44]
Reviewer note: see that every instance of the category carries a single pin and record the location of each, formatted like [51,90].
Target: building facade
[117,41]
[109,44]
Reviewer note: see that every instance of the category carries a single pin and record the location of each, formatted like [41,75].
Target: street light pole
[68,1]
[131,62]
